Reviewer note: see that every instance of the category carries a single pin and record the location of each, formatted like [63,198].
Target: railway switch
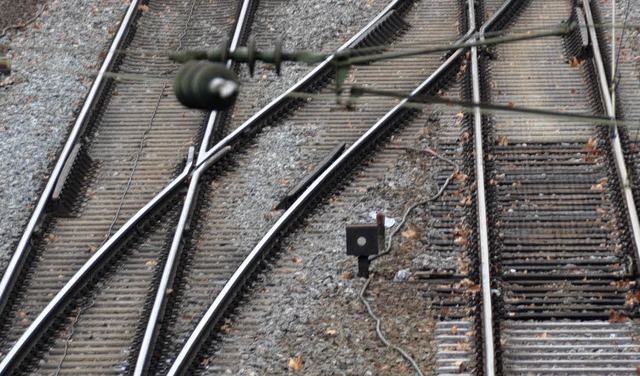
[364,240]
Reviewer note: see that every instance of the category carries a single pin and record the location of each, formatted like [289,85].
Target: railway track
[561,222]
[541,267]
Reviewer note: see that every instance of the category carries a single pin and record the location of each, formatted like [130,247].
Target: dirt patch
[15,12]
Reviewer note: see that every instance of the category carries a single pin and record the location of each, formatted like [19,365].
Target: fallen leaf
[347,276]
[297,260]
[331,332]
[454,330]
[619,284]
[296,363]
[542,335]
[466,283]
[616,317]
[52,237]
[597,187]
[463,266]
[632,298]
[461,241]
[410,234]
[574,62]
[151,263]
[143,8]
[460,177]
[460,115]
[502,141]
[473,289]
[511,104]
[460,230]
[463,347]
[591,146]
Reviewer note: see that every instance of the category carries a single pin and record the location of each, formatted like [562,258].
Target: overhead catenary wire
[424,102]
[615,55]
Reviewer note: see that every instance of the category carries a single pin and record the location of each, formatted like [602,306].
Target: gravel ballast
[53,66]
[52,71]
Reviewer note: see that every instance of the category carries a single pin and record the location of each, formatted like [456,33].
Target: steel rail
[21,348]
[615,139]
[39,326]
[235,43]
[169,272]
[481,205]
[173,258]
[12,273]
[234,284]
[310,77]
[481,201]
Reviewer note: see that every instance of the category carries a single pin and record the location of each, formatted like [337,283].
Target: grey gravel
[53,66]
[402,275]
[52,71]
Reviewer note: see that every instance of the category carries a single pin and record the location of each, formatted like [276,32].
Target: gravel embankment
[53,67]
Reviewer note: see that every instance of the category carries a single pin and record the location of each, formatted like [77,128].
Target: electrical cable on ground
[68,339]
[387,250]
[24,24]
[136,160]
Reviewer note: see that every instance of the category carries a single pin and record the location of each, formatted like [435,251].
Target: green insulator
[206,85]
[5,65]
[182,83]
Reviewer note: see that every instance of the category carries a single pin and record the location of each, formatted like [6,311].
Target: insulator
[5,65]
[205,85]
[277,55]
[251,54]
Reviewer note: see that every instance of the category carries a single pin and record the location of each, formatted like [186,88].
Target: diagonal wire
[616,73]
[71,330]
